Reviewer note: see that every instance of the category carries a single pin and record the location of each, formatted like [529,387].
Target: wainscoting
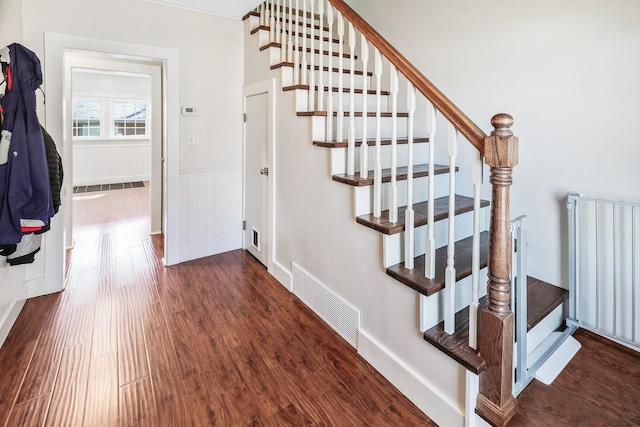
[210,212]
[111,162]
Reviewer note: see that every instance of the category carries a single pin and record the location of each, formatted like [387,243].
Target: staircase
[381,119]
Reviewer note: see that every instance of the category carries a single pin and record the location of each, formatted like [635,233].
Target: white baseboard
[10,319]
[416,388]
[189,253]
[282,275]
[111,180]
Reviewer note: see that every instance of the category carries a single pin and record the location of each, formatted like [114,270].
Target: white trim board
[416,388]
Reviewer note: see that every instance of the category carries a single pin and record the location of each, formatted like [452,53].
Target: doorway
[257,177]
[260,172]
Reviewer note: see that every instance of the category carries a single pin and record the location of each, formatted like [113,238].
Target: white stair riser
[276,58]
[302,100]
[420,155]
[363,196]
[431,308]
[393,246]
[320,134]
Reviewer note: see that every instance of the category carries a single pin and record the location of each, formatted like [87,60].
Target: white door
[256,176]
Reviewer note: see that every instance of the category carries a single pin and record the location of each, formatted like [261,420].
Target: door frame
[58,108]
[267,87]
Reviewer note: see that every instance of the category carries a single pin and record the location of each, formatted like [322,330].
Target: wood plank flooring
[213,342]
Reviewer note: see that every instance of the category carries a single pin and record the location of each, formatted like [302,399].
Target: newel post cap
[501,147]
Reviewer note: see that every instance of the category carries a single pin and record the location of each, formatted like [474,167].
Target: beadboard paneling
[211,212]
[111,163]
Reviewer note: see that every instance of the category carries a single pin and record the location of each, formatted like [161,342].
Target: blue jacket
[25,191]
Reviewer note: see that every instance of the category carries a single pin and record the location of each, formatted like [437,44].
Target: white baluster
[330,18]
[296,47]
[340,117]
[272,22]
[278,20]
[291,33]
[305,64]
[284,38]
[475,254]
[351,146]
[364,148]
[430,252]
[450,272]
[321,56]
[409,233]
[393,191]
[261,12]
[377,170]
[312,70]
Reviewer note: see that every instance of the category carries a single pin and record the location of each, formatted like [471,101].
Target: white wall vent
[331,307]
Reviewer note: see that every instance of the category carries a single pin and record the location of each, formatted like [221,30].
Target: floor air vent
[331,307]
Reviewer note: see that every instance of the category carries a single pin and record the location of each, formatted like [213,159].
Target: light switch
[193,139]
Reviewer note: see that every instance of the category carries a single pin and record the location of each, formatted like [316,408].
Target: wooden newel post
[496,403]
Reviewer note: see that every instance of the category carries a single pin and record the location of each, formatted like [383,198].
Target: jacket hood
[25,67]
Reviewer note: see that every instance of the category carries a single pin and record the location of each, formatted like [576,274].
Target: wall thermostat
[188,110]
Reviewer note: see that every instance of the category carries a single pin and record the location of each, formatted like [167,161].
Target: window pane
[86,115]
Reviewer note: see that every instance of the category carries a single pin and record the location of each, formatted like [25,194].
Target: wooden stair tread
[336,89]
[385,114]
[317,67]
[415,279]
[316,37]
[370,141]
[542,299]
[457,345]
[441,211]
[418,172]
[308,50]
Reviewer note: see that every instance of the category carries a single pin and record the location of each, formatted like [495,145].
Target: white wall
[209,49]
[568,73]
[209,57]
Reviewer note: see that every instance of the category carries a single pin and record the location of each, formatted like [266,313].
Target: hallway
[211,342]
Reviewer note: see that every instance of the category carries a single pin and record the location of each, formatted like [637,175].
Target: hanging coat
[25,191]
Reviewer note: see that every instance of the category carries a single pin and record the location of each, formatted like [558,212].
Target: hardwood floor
[600,387]
[210,342]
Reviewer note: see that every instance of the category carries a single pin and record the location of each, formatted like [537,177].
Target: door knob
[264,171]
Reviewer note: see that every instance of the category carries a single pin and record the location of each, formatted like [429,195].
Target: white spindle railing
[296,45]
[450,272]
[304,63]
[261,10]
[312,63]
[377,171]
[278,19]
[321,56]
[351,148]
[291,31]
[475,255]
[430,251]
[272,22]
[340,116]
[393,191]
[364,147]
[330,107]
[409,215]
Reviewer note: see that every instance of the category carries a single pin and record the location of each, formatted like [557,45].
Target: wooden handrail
[468,128]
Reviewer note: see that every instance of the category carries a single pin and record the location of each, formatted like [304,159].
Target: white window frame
[107,120]
[103,118]
[112,120]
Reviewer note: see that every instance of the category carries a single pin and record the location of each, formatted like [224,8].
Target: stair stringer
[316,230]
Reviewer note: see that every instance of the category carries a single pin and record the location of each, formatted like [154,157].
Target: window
[87,117]
[129,119]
